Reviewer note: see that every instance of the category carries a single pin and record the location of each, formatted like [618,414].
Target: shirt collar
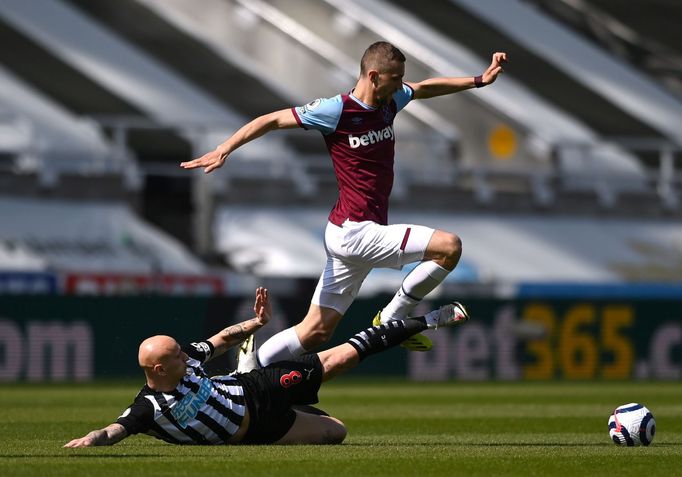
[364,105]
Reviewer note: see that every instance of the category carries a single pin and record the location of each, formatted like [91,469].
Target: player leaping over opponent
[358,130]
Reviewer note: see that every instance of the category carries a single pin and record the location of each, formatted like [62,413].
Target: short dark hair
[378,56]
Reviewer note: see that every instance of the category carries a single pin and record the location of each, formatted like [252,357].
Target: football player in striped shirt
[358,130]
[180,404]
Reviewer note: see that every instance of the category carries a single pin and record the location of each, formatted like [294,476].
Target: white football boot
[447,315]
[247,357]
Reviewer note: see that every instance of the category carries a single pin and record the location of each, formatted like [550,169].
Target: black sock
[380,338]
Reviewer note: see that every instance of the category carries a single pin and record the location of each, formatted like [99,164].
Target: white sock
[282,346]
[417,284]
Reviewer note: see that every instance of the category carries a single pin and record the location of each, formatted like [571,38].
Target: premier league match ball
[632,425]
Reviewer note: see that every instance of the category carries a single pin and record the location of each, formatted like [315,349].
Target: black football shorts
[272,391]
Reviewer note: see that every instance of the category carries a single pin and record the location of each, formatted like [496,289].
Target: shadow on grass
[77,456]
[86,455]
[502,444]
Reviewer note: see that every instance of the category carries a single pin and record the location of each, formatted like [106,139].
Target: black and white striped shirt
[200,410]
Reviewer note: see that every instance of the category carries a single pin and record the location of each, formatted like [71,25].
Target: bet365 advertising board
[47,338]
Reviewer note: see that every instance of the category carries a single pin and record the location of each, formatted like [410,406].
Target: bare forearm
[234,334]
[214,159]
[247,133]
[258,127]
[441,86]
[108,436]
[99,437]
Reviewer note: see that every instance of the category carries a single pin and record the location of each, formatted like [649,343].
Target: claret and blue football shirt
[361,143]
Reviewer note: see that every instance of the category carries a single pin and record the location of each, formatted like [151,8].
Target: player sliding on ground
[180,404]
[358,130]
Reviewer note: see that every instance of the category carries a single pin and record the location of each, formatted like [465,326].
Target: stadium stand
[116,94]
[508,250]
[643,33]
[92,236]
[38,135]
[606,119]
[653,111]
[321,68]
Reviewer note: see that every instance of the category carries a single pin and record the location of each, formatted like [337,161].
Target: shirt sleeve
[403,96]
[321,114]
[201,351]
[138,417]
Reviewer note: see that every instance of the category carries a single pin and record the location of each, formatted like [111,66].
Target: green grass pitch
[395,428]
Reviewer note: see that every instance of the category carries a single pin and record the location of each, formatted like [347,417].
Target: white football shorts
[355,248]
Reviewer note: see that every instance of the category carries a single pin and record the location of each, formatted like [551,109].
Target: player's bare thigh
[444,248]
[314,429]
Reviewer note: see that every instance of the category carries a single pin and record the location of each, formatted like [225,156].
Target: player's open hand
[495,68]
[209,161]
[85,441]
[262,307]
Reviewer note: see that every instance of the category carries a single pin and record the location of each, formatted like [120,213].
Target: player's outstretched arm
[235,334]
[283,119]
[108,436]
[440,86]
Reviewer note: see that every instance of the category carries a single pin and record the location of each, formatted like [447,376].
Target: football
[632,425]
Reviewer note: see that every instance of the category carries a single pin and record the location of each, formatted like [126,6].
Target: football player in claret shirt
[358,130]
[181,404]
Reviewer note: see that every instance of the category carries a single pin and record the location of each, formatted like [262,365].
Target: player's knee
[315,333]
[317,327]
[317,336]
[336,432]
[452,247]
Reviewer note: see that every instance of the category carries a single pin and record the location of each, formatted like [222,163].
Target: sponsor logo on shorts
[289,379]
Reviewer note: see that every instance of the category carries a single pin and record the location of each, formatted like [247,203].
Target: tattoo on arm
[241,331]
[235,334]
[115,433]
[110,435]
